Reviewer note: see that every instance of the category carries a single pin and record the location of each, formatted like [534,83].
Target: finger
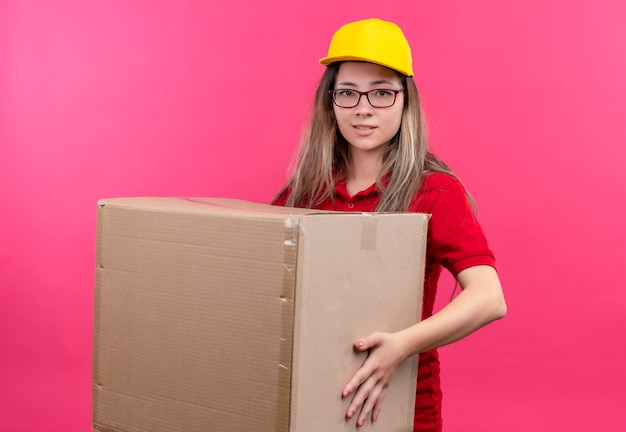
[359,398]
[358,379]
[368,405]
[368,342]
[379,404]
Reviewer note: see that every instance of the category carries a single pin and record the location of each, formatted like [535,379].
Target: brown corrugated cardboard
[222,315]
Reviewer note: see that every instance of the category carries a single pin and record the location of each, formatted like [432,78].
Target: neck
[364,170]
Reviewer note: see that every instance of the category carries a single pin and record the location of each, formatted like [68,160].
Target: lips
[363,130]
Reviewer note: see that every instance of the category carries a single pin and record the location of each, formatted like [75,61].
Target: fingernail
[360,344]
[350,414]
[345,393]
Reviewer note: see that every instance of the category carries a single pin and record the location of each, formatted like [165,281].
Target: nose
[363,107]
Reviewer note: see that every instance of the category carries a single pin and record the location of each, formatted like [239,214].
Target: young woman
[366,150]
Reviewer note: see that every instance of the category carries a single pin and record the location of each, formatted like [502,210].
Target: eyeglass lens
[378,98]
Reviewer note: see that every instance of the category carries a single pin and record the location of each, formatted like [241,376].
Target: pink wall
[119,98]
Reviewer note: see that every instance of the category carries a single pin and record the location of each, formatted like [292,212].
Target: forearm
[480,302]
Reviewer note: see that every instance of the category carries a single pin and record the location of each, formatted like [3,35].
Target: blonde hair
[324,154]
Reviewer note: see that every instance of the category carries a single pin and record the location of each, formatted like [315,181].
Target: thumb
[368,342]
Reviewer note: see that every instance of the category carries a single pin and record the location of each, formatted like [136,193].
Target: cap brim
[334,59]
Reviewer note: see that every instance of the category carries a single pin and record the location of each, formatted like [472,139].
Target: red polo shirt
[455,241]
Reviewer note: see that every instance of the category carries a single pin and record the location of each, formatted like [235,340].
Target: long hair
[324,154]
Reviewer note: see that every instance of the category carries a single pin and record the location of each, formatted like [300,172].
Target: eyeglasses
[378,98]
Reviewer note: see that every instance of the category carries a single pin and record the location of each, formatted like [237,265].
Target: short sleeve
[455,238]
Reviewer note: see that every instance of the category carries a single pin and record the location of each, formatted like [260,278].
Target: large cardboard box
[222,315]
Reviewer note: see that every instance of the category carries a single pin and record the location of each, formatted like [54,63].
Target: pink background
[192,98]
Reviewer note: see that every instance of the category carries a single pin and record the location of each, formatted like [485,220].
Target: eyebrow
[349,83]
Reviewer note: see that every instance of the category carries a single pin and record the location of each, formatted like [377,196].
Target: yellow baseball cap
[371,40]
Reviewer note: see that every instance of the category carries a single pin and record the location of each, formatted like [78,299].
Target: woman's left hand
[370,383]
[480,302]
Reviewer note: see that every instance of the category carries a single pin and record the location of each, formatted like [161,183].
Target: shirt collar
[341,189]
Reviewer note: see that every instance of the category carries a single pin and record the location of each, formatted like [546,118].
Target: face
[368,129]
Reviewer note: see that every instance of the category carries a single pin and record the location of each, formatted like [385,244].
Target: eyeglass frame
[366,93]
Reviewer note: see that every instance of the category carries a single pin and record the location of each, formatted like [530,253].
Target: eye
[382,93]
[345,93]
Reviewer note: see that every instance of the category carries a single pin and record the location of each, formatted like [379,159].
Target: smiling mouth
[363,127]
